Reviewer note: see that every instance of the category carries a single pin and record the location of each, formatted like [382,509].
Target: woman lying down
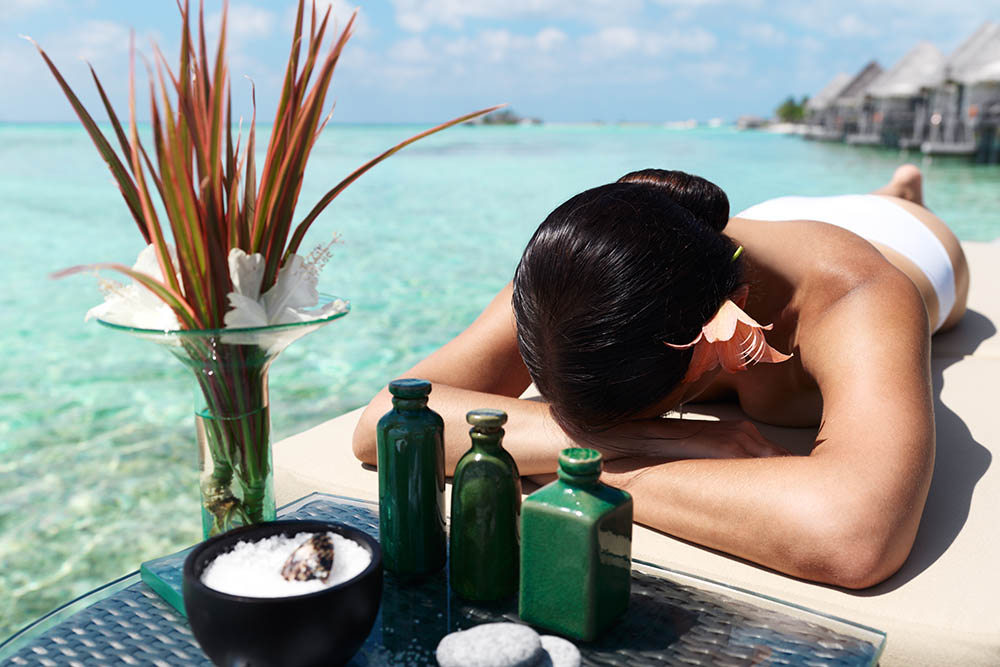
[634,298]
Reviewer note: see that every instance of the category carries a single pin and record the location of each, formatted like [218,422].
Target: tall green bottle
[576,550]
[411,482]
[485,511]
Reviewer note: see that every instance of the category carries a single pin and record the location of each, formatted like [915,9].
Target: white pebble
[561,652]
[491,645]
[253,569]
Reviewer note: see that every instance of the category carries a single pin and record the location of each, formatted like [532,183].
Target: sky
[420,61]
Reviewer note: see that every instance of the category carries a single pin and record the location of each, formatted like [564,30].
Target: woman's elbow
[858,565]
[852,551]
[364,443]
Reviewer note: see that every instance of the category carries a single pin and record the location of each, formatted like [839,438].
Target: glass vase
[232,417]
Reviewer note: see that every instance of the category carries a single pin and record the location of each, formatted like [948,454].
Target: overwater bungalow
[817,106]
[965,108]
[943,106]
[894,110]
[842,113]
[818,113]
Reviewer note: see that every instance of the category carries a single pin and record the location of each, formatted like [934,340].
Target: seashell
[313,559]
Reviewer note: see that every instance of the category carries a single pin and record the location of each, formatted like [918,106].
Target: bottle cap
[580,461]
[409,388]
[486,419]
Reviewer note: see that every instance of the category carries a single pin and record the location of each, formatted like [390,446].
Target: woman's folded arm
[532,437]
[792,514]
[480,368]
[847,514]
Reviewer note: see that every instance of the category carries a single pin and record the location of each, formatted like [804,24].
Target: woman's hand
[663,438]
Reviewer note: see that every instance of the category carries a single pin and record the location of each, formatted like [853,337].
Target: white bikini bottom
[878,220]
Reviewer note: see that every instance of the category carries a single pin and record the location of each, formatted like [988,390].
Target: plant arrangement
[234,264]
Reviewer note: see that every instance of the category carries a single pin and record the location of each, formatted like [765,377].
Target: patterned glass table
[673,619]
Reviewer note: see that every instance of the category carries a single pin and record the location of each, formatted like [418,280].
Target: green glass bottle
[411,482]
[576,550]
[485,511]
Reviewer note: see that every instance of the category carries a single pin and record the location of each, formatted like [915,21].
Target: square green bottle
[576,550]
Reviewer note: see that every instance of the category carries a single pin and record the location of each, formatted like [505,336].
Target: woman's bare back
[798,271]
[807,264]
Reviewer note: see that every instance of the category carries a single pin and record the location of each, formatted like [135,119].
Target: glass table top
[673,618]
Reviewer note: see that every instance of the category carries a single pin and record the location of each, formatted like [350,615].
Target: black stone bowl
[326,627]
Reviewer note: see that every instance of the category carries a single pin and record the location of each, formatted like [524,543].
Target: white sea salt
[253,569]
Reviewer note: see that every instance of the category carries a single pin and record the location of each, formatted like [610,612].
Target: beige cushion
[942,608]
[977,335]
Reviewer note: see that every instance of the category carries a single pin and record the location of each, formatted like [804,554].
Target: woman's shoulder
[841,304]
[828,272]
[862,320]
[819,263]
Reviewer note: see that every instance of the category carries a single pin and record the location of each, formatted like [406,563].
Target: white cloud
[977,9]
[530,63]
[403,76]
[18,60]
[691,41]
[245,26]
[496,46]
[684,3]
[548,39]
[460,47]
[711,70]
[102,43]
[611,42]
[852,26]
[764,33]
[421,15]
[340,14]
[810,44]
[246,22]
[619,41]
[249,25]
[98,40]
[705,3]
[412,50]
[19,8]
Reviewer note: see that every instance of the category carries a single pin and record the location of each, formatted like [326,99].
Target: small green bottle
[576,550]
[411,482]
[485,511]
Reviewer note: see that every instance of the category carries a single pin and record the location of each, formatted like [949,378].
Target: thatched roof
[823,98]
[977,59]
[855,91]
[921,67]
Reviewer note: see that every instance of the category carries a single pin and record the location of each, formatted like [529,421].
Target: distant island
[504,117]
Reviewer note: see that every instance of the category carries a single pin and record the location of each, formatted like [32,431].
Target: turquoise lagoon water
[97,457]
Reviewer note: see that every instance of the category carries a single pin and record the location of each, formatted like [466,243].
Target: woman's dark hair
[607,279]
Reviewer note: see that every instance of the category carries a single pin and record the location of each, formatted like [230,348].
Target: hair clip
[736,255]
[731,339]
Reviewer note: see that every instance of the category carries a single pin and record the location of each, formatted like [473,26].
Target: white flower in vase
[292,298]
[132,305]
